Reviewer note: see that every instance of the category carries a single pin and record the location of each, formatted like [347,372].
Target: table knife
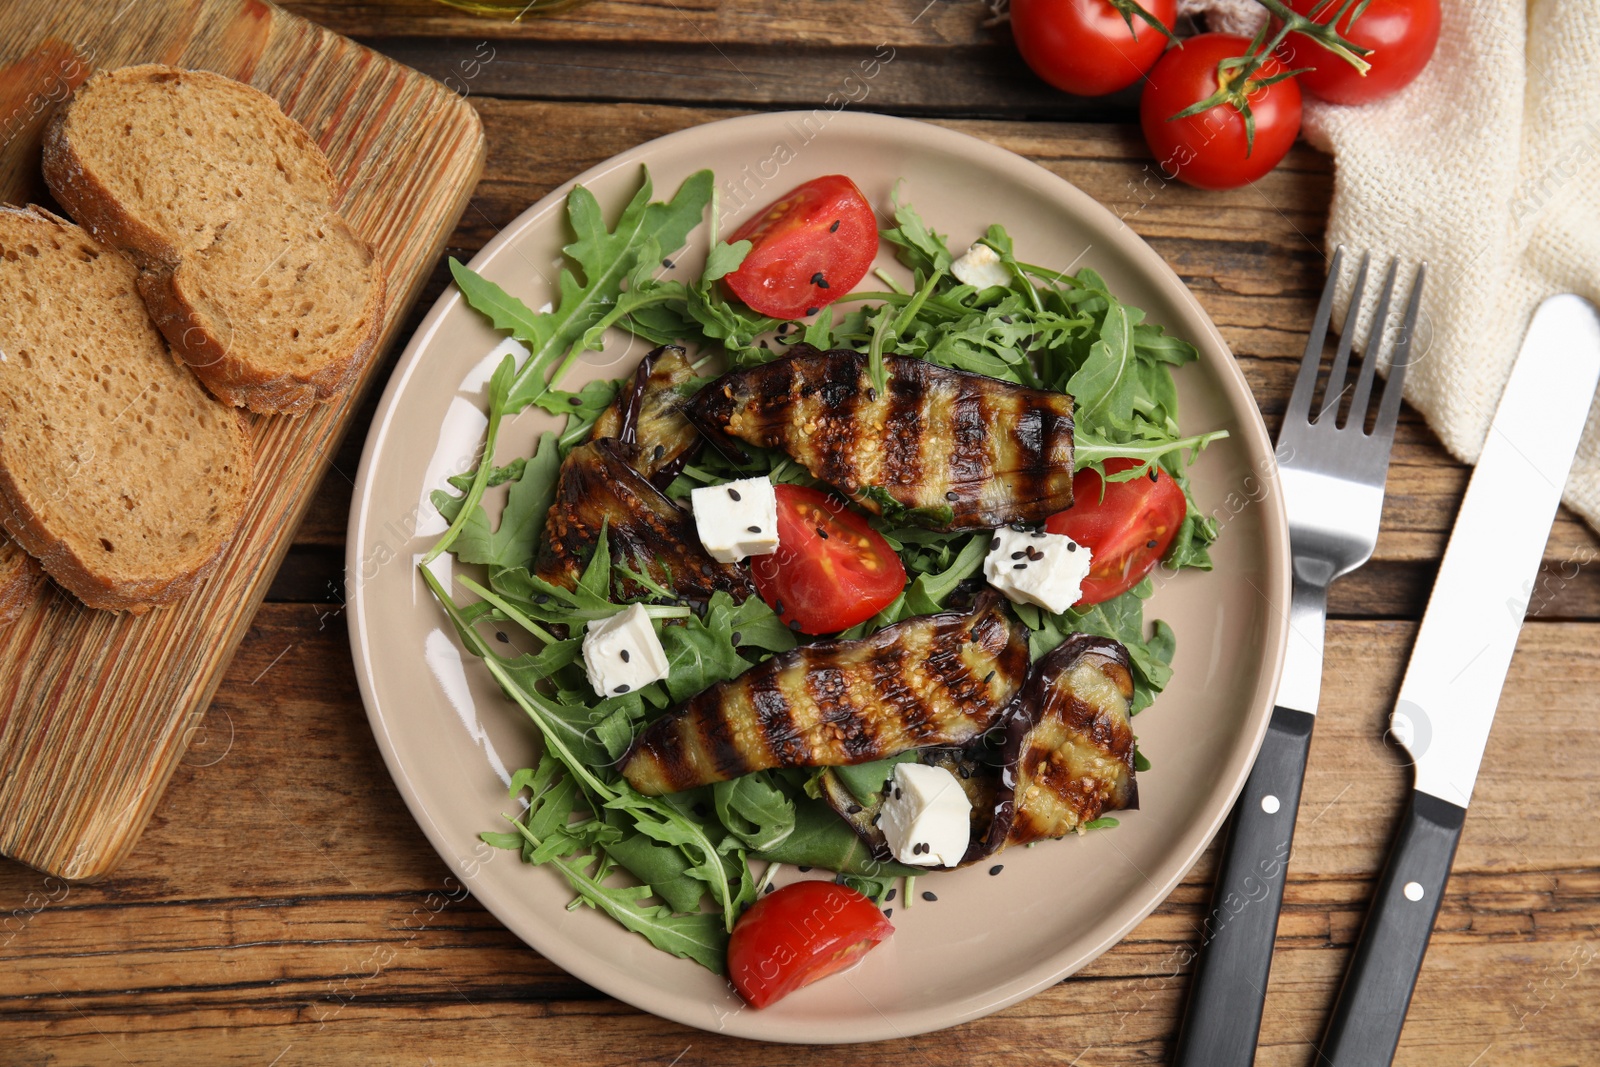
[1463,649]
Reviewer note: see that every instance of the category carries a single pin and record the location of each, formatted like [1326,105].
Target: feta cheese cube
[926,817]
[1043,569]
[981,266]
[622,652]
[736,520]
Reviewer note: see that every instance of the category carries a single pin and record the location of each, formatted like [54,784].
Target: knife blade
[1458,666]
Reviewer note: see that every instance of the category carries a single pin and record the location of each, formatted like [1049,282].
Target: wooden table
[283,908]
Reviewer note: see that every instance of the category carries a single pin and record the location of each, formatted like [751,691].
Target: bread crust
[54,552]
[19,587]
[233,378]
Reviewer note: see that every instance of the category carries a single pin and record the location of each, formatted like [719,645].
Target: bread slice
[118,471]
[20,577]
[226,205]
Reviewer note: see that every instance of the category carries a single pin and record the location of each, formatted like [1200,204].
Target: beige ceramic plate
[451,739]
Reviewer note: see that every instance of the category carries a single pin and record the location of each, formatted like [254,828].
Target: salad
[846,574]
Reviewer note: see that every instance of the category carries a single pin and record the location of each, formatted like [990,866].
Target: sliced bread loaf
[20,576]
[118,471]
[226,205]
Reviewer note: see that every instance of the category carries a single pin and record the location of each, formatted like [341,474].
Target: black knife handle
[1364,1030]
[1223,1016]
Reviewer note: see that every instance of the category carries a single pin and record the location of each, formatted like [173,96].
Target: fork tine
[1299,408]
[1369,361]
[1399,361]
[1341,358]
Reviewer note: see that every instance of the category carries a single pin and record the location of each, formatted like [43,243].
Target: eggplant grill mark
[775,719]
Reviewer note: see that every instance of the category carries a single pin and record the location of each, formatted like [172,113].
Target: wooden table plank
[282,898]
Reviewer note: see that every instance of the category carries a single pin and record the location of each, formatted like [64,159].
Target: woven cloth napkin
[1487,167]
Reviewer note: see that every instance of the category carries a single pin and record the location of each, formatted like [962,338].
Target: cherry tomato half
[1210,149]
[807,250]
[1401,34]
[1085,46]
[1127,530]
[831,569]
[798,934]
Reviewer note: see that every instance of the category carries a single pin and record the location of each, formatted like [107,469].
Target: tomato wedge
[807,249]
[1127,530]
[798,934]
[831,569]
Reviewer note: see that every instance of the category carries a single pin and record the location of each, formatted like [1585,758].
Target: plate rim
[591,969]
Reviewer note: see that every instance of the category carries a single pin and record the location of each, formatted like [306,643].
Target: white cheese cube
[926,817]
[1043,569]
[736,520]
[623,653]
[981,266]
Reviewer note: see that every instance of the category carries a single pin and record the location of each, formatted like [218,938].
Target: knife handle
[1364,1030]
[1229,987]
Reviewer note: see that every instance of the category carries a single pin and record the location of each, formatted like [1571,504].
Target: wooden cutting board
[96,709]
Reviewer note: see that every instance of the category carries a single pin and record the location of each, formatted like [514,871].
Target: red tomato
[1084,46]
[1127,530]
[798,934]
[1401,34]
[1209,149]
[831,569]
[807,250]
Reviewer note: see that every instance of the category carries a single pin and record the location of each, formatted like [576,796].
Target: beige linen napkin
[1488,168]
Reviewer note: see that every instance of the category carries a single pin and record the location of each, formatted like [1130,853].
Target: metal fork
[1332,477]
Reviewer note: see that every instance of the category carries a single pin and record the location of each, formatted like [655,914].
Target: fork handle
[1364,1030]
[1229,987]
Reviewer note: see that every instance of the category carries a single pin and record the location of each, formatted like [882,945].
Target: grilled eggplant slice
[1069,747]
[600,487]
[933,680]
[954,450]
[649,413]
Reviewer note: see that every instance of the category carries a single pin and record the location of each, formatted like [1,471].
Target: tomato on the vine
[1211,149]
[1086,46]
[1127,526]
[798,934]
[807,249]
[1400,33]
[831,569]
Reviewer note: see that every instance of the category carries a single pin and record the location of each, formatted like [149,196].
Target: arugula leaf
[756,812]
[512,543]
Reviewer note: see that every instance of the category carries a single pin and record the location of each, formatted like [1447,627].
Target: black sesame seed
[1151,544]
[854,809]
[1072,546]
[890,895]
[897,792]
[803,870]
[838,879]
[769,888]
[822,533]
[777,605]
[763,343]
[835,227]
[872,395]
[1152,474]
[988,678]
[819,281]
[964,771]
[575,401]
[1019,566]
[753,529]
[707,570]
[811,311]
[623,689]
[667,263]
[660,451]
[736,636]
[624,655]
[1006,319]
[994,544]
[783,328]
[887,912]
[1018,555]
[927,895]
[997,868]
[919,848]
[794,624]
[952,495]
[734,493]
[542,598]
[501,636]
[1034,554]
